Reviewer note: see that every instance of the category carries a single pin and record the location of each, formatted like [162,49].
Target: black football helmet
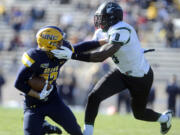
[108,14]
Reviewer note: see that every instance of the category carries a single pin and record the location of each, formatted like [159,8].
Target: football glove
[44,93]
[63,53]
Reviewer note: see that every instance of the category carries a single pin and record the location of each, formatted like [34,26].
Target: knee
[93,98]
[138,115]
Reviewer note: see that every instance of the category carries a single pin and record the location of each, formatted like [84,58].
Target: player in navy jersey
[42,63]
[133,71]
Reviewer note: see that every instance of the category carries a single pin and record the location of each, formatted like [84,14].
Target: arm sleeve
[26,71]
[97,56]
[22,78]
[85,46]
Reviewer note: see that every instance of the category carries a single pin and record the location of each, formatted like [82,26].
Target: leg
[173,108]
[128,106]
[140,89]
[119,101]
[62,115]
[106,87]
[32,122]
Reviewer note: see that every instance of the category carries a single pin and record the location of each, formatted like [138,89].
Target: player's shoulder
[121,27]
[120,33]
[31,56]
[34,53]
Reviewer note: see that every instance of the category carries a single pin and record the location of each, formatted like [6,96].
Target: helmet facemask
[57,44]
[101,21]
[108,14]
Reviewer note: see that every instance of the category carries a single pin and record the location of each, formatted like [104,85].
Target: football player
[133,71]
[42,62]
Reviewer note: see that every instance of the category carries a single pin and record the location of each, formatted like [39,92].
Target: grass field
[11,121]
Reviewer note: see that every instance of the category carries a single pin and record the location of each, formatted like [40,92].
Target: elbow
[98,57]
[16,85]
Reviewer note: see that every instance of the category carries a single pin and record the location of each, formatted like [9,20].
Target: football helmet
[108,14]
[50,38]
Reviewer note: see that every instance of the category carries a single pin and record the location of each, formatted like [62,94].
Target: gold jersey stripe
[26,60]
[72,48]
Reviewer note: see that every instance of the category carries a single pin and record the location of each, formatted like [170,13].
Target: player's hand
[63,53]
[44,93]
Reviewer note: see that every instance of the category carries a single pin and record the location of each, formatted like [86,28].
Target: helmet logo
[47,36]
[109,8]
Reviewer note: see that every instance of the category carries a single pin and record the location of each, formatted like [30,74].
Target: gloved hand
[63,53]
[44,93]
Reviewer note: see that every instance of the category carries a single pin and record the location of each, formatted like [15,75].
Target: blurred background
[158,26]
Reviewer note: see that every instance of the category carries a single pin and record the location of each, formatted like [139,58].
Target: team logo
[47,36]
[45,65]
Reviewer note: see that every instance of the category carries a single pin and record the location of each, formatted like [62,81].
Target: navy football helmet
[108,14]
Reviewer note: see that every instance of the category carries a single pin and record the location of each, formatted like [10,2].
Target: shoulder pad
[29,57]
[120,35]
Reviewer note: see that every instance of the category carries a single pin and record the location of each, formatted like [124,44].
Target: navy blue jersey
[36,62]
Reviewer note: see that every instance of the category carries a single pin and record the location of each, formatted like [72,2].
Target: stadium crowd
[147,16]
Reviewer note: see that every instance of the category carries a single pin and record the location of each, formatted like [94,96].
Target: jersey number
[117,36]
[51,77]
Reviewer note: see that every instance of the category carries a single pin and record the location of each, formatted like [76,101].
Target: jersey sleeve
[27,60]
[31,59]
[21,79]
[120,36]
[86,46]
[28,68]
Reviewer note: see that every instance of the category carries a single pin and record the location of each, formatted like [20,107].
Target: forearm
[97,56]
[21,80]
[88,45]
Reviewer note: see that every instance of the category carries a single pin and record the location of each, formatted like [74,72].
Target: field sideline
[11,122]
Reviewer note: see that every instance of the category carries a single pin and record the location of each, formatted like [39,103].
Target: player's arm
[97,56]
[115,42]
[117,39]
[23,76]
[67,50]
[21,82]
[88,45]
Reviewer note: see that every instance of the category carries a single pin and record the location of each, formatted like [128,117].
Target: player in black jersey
[133,71]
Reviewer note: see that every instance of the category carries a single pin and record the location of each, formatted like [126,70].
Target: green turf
[11,123]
